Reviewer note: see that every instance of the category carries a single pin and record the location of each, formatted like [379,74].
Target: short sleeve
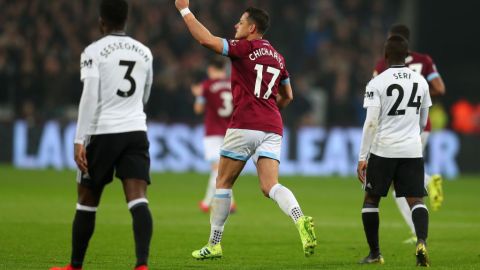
[88,66]
[372,97]
[284,77]
[427,100]
[430,69]
[236,48]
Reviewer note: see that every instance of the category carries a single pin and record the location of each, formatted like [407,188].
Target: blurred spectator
[327,44]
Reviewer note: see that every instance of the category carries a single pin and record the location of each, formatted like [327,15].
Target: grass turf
[37,208]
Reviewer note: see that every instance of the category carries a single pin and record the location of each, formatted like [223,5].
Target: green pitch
[37,208]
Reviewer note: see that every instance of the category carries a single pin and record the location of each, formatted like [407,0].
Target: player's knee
[371,200]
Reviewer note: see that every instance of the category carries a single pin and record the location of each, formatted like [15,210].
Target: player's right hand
[197,89]
[362,170]
[181,4]
[80,156]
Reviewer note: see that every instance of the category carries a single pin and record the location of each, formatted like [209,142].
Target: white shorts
[241,144]
[211,147]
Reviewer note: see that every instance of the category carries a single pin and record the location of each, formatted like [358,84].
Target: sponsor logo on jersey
[369,94]
[86,63]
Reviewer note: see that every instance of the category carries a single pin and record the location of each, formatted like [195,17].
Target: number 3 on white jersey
[258,82]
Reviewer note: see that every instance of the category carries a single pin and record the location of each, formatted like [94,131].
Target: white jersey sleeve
[372,96]
[88,65]
[427,100]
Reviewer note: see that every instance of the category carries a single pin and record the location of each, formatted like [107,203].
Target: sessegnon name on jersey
[265,52]
[112,47]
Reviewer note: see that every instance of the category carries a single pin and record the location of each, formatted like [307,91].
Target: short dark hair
[114,13]
[396,48]
[401,30]
[260,18]
[217,62]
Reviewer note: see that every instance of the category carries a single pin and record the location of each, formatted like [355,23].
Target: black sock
[82,231]
[142,231]
[371,222]
[420,220]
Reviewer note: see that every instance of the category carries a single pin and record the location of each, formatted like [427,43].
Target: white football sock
[286,200]
[219,213]
[405,211]
[212,181]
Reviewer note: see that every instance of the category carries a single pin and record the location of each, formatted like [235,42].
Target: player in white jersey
[111,131]
[397,103]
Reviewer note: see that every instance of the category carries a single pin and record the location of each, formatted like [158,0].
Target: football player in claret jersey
[214,98]
[260,88]
[397,102]
[111,130]
[424,65]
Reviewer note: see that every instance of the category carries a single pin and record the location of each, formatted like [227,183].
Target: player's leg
[371,222]
[404,209]
[228,172]
[135,194]
[420,219]
[409,183]
[211,186]
[212,146]
[83,225]
[235,151]
[434,183]
[267,160]
[267,169]
[133,167]
[380,172]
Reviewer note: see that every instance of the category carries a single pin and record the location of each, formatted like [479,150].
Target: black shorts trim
[407,175]
[123,154]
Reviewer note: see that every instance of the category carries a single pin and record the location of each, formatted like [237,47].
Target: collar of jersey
[398,66]
[118,34]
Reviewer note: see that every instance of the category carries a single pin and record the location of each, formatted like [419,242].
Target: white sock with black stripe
[286,200]
[220,209]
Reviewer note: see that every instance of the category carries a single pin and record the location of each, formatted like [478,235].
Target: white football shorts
[241,144]
[211,147]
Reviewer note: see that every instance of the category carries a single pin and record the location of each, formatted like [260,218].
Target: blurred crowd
[330,49]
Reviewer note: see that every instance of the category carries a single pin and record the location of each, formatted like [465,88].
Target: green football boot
[307,235]
[208,252]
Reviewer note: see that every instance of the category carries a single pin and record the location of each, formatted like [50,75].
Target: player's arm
[198,31]
[423,118]
[199,105]
[86,111]
[369,130]
[437,87]
[148,84]
[285,94]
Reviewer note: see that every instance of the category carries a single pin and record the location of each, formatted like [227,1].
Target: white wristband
[185,11]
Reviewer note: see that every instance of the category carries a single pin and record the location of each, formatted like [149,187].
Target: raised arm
[437,87]
[198,31]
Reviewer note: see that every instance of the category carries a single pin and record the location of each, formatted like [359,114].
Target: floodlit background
[330,48]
